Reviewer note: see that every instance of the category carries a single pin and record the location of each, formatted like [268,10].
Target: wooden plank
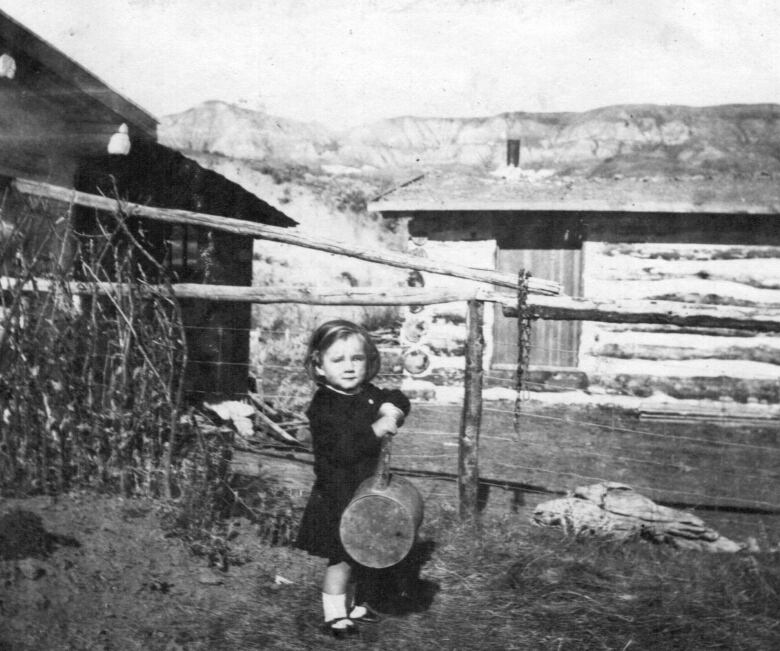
[543,378]
[734,225]
[282,235]
[726,414]
[553,343]
[723,421]
[293,474]
[525,227]
[268,423]
[706,410]
[471,418]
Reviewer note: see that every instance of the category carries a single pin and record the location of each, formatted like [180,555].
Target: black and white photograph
[389,324]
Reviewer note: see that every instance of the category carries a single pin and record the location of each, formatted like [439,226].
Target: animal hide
[614,510]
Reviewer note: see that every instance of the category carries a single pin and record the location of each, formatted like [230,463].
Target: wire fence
[529,447]
[538,447]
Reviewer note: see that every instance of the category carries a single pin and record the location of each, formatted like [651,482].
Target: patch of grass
[548,591]
[589,594]
[206,515]
[510,586]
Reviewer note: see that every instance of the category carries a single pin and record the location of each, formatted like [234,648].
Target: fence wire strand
[613,449]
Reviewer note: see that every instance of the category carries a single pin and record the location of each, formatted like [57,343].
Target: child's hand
[389,409]
[385,426]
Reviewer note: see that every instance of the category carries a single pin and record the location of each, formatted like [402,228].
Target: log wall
[685,362]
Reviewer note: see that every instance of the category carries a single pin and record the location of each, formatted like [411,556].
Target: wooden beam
[267,295]
[566,308]
[407,207]
[254,462]
[331,295]
[282,235]
[471,419]
[555,308]
[266,422]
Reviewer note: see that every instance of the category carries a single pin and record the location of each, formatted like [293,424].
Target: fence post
[468,449]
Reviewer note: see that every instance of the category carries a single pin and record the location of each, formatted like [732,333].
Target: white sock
[334,606]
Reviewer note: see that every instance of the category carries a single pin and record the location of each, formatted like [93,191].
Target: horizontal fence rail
[561,308]
[567,308]
[282,235]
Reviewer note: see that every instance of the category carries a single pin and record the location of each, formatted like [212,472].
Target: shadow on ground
[23,535]
[399,590]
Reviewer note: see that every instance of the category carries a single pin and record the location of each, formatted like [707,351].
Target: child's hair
[328,333]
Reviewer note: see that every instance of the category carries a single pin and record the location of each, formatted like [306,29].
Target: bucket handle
[382,474]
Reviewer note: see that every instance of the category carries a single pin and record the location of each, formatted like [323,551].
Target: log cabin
[62,125]
[672,237]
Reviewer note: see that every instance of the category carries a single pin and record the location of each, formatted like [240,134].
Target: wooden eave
[399,208]
[76,78]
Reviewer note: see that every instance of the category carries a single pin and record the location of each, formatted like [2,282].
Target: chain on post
[523,343]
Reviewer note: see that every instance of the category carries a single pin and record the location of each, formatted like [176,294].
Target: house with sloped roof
[62,125]
[672,237]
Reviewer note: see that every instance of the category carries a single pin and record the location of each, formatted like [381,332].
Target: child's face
[344,364]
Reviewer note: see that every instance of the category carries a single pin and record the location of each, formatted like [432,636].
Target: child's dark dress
[346,452]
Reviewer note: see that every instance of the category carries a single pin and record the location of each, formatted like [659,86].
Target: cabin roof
[65,71]
[516,189]
[48,82]
[157,175]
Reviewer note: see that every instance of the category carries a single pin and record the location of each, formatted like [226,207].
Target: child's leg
[337,577]
[359,611]
[334,594]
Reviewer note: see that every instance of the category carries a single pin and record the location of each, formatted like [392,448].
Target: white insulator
[120,142]
[7,66]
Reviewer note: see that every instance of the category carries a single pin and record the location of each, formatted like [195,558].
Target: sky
[349,62]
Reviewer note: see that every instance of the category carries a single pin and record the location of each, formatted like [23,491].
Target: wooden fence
[542,301]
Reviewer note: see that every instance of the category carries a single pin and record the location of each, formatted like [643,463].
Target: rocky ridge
[627,139]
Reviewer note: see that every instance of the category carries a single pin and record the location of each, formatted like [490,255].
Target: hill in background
[636,140]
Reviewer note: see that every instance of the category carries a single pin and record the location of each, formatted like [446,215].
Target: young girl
[348,417]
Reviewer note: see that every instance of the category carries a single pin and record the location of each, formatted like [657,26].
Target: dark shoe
[371,616]
[339,633]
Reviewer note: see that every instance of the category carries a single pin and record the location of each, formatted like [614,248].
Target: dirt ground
[112,580]
[97,572]
[90,572]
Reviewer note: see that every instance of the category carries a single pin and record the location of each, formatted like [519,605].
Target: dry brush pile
[92,392]
[91,388]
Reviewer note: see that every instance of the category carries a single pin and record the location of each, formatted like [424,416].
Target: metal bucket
[379,525]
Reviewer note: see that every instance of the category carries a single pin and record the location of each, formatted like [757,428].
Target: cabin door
[553,343]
